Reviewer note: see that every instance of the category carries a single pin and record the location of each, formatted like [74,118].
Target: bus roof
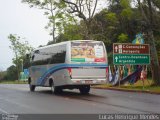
[61,43]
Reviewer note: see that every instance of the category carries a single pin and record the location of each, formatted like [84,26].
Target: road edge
[124,90]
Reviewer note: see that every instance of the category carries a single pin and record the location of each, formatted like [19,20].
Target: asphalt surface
[17,99]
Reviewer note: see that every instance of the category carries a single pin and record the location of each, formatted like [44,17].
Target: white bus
[69,65]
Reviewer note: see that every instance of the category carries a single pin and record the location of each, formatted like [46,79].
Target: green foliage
[110,58]
[72,32]
[122,38]
[111,17]
[2,75]
[119,22]
[53,11]
[125,3]
[127,13]
[20,49]
[13,82]
[156,3]
[11,73]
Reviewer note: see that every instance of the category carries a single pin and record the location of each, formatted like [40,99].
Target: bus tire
[55,89]
[84,89]
[32,87]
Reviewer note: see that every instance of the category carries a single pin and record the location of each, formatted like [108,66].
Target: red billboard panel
[125,48]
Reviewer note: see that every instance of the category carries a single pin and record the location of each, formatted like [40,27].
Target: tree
[20,50]
[85,10]
[52,11]
[119,22]
[2,75]
[122,37]
[11,73]
[149,23]
[144,17]
[126,17]
[56,13]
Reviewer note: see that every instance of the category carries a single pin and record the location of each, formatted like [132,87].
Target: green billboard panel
[134,59]
[78,59]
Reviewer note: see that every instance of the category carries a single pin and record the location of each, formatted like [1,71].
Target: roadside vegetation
[138,86]
[13,82]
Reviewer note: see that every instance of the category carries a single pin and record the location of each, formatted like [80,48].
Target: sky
[18,18]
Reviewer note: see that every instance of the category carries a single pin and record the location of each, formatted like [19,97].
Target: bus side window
[58,58]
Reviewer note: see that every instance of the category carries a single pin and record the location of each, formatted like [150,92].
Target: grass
[13,82]
[138,86]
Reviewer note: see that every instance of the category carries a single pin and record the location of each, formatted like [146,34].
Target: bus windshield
[88,52]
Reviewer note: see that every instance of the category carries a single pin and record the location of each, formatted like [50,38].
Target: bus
[74,64]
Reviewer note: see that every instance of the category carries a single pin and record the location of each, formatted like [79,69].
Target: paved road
[17,99]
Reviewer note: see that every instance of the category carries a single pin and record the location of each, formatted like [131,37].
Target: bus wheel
[32,87]
[84,89]
[55,89]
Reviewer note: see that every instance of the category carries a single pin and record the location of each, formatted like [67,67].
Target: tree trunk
[154,59]
[53,31]
[88,34]
[53,23]
[18,75]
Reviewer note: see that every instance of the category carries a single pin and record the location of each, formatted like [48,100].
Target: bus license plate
[88,81]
